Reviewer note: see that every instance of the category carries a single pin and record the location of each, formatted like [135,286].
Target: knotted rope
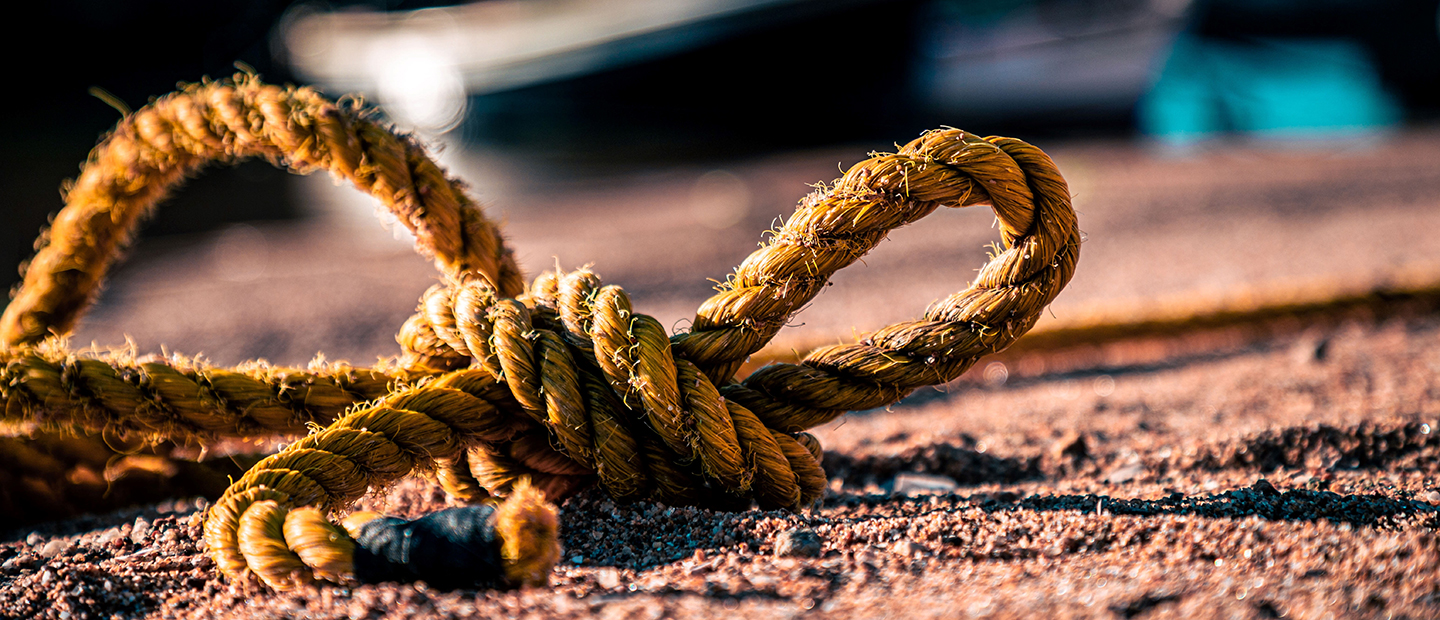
[597,384]
[568,384]
[45,387]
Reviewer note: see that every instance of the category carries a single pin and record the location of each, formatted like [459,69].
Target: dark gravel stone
[798,543]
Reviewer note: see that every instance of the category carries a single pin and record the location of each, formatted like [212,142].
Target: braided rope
[159,145]
[602,392]
[632,377]
[1003,303]
[118,394]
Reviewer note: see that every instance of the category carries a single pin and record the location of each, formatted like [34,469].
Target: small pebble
[1433,497]
[137,533]
[1070,446]
[913,484]
[798,543]
[108,536]
[34,539]
[1310,351]
[1125,473]
[54,548]
[908,547]
[1263,487]
[608,578]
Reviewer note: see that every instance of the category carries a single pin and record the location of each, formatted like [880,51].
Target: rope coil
[562,386]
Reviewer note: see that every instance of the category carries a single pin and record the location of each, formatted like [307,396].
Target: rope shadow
[1261,499]
[967,466]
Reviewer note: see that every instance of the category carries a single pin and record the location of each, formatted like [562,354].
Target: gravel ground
[1202,475]
[1283,479]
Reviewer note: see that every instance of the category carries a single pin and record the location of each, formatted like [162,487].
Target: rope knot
[499,388]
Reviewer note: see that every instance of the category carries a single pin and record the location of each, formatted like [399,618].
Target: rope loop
[155,148]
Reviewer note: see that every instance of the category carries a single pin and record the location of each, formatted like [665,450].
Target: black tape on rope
[451,549]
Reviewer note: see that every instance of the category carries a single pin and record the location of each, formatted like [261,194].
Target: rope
[157,146]
[128,173]
[561,387]
[632,376]
[603,394]
[369,447]
[745,438]
[119,394]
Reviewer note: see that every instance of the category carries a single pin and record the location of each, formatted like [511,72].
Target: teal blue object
[1290,89]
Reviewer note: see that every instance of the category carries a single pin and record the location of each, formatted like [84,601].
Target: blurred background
[1252,144]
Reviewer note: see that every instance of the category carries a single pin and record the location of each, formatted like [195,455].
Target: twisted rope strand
[836,225]
[366,448]
[1001,305]
[179,399]
[159,145]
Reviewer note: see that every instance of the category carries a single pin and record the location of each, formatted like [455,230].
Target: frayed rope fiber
[563,385]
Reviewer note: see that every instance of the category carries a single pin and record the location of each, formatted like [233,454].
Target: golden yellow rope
[627,360]
[569,385]
[157,146]
[603,392]
[174,398]
[369,447]
[153,149]
[830,230]
[835,226]
[114,402]
[1042,246]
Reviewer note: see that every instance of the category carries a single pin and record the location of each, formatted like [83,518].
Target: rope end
[529,530]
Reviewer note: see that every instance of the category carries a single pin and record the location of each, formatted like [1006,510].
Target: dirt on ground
[1196,475]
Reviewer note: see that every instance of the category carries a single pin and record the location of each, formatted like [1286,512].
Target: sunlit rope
[561,387]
